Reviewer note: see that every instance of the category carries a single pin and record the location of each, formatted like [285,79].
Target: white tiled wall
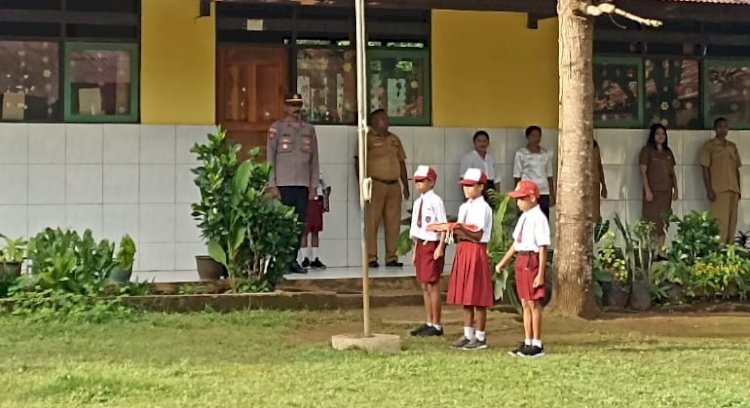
[113,179]
[134,179]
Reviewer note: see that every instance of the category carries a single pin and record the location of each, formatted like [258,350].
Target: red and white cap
[424,173]
[473,177]
[525,188]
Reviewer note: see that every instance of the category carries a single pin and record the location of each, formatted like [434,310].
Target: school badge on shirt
[272,133]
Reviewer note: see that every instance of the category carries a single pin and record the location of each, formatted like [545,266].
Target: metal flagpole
[365,184]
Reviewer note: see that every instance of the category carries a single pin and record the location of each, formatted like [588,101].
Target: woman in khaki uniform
[659,180]
[599,184]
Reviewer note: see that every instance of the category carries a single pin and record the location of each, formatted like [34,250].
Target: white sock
[527,342]
[536,343]
[429,324]
[437,326]
[469,333]
[314,253]
[301,254]
[480,335]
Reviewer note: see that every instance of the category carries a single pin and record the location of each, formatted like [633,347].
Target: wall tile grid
[118,179]
[112,179]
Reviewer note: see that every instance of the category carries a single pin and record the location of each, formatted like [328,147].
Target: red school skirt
[527,268]
[471,282]
[314,220]
[428,268]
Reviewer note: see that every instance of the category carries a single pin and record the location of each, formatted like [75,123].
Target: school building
[102,100]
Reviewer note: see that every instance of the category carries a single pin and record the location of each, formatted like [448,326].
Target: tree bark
[572,291]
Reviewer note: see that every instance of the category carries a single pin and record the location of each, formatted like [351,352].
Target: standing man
[386,165]
[293,155]
[721,176]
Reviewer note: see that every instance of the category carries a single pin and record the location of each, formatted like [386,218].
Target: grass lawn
[282,359]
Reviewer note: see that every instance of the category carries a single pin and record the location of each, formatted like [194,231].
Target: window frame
[134,50]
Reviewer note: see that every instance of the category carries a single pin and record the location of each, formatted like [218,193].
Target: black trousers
[544,204]
[297,198]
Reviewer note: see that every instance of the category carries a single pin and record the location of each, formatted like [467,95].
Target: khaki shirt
[659,168]
[722,160]
[292,151]
[384,157]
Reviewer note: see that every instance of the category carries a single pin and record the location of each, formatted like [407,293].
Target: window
[29,81]
[326,79]
[76,60]
[618,99]
[673,92]
[399,82]
[101,82]
[727,92]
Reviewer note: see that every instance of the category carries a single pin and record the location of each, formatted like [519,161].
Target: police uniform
[385,156]
[662,182]
[292,151]
[722,159]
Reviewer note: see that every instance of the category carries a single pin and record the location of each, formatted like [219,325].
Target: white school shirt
[433,212]
[473,160]
[477,212]
[535,229]
[536,167]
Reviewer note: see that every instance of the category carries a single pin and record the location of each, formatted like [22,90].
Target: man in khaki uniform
[386,165]
[292,150]
[721,176]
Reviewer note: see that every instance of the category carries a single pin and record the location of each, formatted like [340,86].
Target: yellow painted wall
[489,70]
[178,53]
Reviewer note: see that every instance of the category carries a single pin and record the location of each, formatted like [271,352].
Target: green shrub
[126,253]
[63,261]
[247,230]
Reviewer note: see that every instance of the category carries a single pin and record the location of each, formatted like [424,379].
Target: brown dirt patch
[505,329]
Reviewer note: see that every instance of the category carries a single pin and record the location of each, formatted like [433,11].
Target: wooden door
[251,85]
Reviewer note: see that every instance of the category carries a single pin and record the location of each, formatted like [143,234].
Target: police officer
[721,176]
[292,151]
[386,165]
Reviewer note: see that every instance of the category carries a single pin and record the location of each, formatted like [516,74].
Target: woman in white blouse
[480,159]
[534,163]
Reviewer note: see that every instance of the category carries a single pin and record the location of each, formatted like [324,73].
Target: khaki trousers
[385,205]
[724,210]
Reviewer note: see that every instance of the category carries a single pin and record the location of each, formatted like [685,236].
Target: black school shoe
[431,331]
[534,352]
[461,343]
[373,264]
[297,269]
[306,263]
[418,331]
[476,344]
[520,351]
[394,264]
[316,264]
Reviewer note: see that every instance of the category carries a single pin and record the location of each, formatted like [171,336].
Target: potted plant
[125,256]
[249,233]
[640,252]
[12,256]
[611,273]
[213,178]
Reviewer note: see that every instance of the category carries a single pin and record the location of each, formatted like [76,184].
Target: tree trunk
[573,294]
